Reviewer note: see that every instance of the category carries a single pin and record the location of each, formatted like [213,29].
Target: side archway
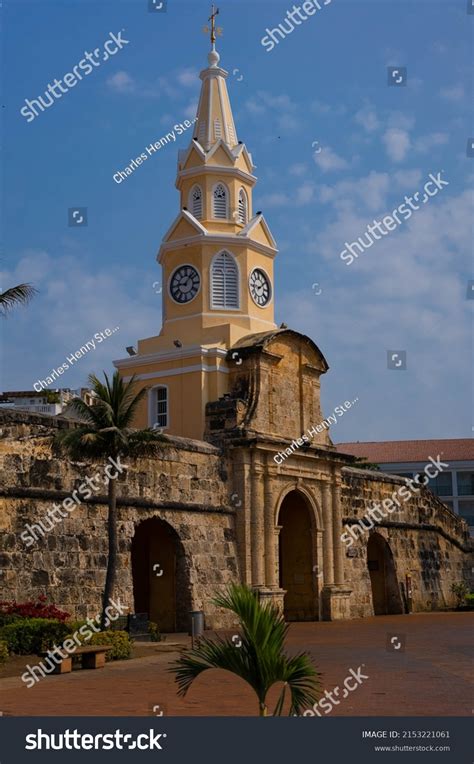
[386,595]
[161,585]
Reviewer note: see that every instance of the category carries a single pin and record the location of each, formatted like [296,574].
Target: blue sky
[325,82]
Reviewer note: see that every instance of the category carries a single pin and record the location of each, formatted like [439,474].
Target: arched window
[224,282]
[243,207]
[158,407]
[220,201]
[196,202]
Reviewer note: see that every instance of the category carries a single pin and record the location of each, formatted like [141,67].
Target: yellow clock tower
[217,271]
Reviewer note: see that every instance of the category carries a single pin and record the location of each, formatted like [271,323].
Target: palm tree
[22,293]
[105,433]
[259,659]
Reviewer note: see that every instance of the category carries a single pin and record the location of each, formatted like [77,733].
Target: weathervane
[213,29]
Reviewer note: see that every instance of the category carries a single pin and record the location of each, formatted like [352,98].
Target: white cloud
[402,293]
[368,193]
[121,82]
[397,143]
[280,110]
[67,312]
[454,93]
[367,118]
[407,179]
[425,143]
[297,169]
[305,193]
[188,77]
[191,109]
[274,200]
[327,160]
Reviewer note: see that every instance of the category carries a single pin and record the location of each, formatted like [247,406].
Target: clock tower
[217,271]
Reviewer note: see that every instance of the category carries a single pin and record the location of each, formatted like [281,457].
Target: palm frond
[18,295]
[259,659]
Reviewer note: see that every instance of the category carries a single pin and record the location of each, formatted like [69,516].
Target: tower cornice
[215,169]
[226,240]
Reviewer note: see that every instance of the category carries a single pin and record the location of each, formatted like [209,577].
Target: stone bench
[92,657]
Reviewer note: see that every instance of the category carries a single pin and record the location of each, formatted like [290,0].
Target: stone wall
[428,541]
[186,485]
[222,508]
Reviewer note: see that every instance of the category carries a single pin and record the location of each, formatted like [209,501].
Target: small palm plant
[20,294]
[106,432]
[259,659]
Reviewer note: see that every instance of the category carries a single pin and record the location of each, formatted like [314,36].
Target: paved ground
[430,677]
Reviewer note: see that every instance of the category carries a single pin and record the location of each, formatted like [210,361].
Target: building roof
[24,394]
[395,451]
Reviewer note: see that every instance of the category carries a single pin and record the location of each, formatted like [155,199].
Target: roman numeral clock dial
[260,287]
[184,284]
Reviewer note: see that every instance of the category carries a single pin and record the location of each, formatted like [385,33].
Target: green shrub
[460,591]
[3,652]
[120,641]
[154,632]
[6,619]
[33,635]
[470,599]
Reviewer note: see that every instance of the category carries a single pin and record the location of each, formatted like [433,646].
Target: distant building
[51,402]
[454,486]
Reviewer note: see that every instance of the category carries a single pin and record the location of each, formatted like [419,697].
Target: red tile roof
[394,451]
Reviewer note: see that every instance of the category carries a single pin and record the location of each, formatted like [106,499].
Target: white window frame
[212,304]
[153,405]
[226,217]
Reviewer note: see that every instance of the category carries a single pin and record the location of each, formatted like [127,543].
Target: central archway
[160,577]
[296,559]
[383,578]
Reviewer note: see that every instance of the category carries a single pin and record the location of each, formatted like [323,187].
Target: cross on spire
[213,29]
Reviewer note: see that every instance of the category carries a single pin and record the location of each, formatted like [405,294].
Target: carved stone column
[328,556]
[257,522]
[337,530]
[269,522]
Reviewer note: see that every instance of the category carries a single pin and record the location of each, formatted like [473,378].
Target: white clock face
[184,284]
[260,287]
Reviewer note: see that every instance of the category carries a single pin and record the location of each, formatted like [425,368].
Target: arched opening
[383,578]
[297,559]
[195,202]
[160,576]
